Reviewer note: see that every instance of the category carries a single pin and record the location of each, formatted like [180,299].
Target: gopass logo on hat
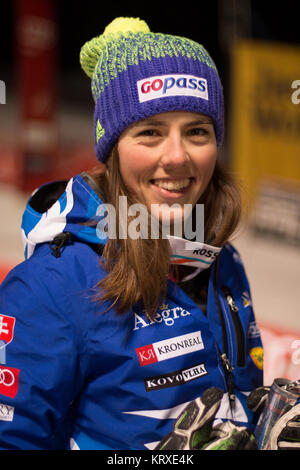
[137,73]
[171,85]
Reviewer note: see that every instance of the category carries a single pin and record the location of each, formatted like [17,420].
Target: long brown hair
[138,269]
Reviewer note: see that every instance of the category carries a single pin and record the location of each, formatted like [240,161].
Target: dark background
[214,23]
[79,21]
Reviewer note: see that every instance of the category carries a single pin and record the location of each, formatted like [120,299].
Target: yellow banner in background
[264,124]
[265,112]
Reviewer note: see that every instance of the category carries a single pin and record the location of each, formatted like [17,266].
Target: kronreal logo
[171,85]
[179,377]
[169,348]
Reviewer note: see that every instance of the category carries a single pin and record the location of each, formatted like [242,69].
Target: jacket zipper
[237,325]
[226,364]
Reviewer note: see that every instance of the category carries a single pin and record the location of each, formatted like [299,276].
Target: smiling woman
[168,158]
[114,336]
[151,158]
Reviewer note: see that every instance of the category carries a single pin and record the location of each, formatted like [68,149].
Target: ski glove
[193,428]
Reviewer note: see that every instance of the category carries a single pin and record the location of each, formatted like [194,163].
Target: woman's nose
[174,152]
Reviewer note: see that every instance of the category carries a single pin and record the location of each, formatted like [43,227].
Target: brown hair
[138,269]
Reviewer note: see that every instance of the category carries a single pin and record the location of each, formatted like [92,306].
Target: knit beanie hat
[136,73]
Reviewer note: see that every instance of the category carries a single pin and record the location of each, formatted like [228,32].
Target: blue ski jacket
[74,377]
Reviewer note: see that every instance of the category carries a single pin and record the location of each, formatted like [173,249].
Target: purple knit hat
[136,74]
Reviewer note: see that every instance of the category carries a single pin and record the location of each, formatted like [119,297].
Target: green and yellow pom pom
[124,25]
[91,51]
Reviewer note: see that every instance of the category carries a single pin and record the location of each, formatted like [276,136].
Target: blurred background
[46,128]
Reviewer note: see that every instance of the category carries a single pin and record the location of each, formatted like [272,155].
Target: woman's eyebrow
[150,121]
[197,122]
[156,122]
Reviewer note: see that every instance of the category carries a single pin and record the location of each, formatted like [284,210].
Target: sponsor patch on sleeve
[170,348]
[172,379]
[257,356]
[6,412]
[9,381]
[7,324]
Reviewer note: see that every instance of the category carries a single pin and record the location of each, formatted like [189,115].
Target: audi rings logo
[7,377]
[9,381]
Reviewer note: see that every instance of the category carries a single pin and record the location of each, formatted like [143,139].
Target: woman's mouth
[172,185]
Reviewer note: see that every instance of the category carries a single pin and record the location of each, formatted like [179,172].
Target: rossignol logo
[169,348]
[205,252]
[179,377]
[172,85]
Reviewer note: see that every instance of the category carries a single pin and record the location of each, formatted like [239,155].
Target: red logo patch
[146,355]
[7,325]
[9,381]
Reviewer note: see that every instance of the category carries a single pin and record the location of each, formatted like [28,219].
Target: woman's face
[168,158]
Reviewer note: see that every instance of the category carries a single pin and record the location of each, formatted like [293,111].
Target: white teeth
[173,185]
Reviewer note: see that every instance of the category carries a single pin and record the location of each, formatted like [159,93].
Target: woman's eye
[198,131]
[148,133]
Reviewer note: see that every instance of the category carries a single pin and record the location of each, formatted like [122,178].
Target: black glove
[285,433]
[193,428]
[257,399]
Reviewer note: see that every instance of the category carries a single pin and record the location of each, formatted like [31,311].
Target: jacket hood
[61,207]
